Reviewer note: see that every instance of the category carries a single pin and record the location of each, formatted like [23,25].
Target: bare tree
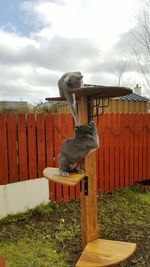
[141,41]
[120,67]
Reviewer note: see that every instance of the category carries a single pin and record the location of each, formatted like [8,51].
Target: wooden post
[89,226]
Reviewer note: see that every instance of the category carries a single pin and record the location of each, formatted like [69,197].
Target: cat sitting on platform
[73,150]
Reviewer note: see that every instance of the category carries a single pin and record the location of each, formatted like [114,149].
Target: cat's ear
[80,77]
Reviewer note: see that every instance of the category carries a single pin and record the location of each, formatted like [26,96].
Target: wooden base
[101,252]
[53,175]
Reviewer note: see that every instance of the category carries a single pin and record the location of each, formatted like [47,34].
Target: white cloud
[68,35]
[97,19]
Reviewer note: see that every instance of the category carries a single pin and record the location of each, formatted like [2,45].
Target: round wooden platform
[101,252]
[54,175]
[98,91]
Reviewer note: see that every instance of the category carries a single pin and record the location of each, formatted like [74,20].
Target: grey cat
[73,150]
[67,81]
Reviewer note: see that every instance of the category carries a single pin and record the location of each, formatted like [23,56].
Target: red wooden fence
[29,143]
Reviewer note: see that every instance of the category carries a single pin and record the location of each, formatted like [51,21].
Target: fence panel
[49,131]
[3,150]
[12,148]
[32,148]
[40,124]
[29,143]
[22,147]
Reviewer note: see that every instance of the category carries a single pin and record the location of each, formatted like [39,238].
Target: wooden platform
[53,175]
[101,252]
[100,91]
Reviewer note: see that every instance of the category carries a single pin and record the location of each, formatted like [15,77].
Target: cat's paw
[79,171]
[64,173]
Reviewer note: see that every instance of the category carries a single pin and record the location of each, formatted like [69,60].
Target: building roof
[134,97]
[130,97]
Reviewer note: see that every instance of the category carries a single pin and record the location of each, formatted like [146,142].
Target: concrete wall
[18,197]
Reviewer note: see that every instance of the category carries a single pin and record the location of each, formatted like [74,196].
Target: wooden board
[53,174]
[100,253]
[98,90]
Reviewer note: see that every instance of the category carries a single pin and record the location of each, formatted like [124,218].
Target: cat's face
[74,81]
[83,129]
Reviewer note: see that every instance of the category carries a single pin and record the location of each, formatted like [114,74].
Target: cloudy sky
[42,39]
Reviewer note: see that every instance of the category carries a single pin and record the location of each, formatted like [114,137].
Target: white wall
[18,197]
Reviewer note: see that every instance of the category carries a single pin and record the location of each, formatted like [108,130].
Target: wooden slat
[32,151]
[122,152]
[146,148]
[148,144]
[141,130]
[117,149]
[101,153]
[63,129]
[112,152]
[96,119]
[12,148]
[3,150]
[106,152]
[57,142]
[49,131]
[22,145]
[131,140]
[70,134]
[127,148]
[136,147]
[41,143]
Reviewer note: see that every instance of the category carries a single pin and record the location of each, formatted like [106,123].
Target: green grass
[50,235]
[28,252]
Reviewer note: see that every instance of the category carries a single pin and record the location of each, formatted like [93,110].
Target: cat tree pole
[96,252]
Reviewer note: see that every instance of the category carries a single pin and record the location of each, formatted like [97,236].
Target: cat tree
[96,252]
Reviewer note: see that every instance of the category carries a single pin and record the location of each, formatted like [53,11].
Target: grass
[50,235]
